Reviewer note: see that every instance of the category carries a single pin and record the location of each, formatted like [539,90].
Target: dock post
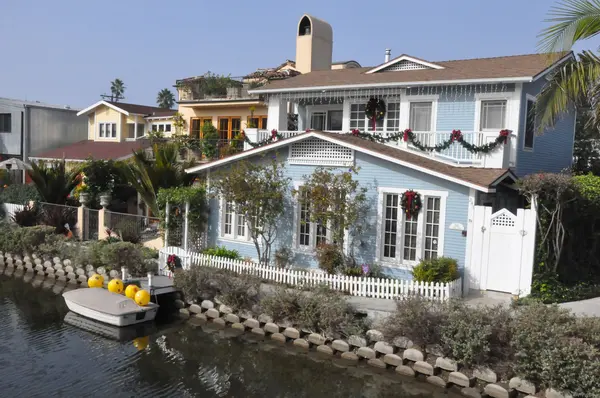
[186,226]
[167,211]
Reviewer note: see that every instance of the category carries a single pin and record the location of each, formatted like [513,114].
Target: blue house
[460,133]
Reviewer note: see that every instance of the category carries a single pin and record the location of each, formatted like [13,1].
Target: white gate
[502,250]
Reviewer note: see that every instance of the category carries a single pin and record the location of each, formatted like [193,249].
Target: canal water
[43,356]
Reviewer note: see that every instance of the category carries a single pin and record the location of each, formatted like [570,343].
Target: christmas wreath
[375,110]
[173,262]
[411,203]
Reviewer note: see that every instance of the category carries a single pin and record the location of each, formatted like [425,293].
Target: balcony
[455,155]
[213,88]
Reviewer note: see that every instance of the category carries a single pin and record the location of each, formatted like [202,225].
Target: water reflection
[42,355]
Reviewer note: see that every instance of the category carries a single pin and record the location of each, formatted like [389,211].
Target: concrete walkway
[590,307]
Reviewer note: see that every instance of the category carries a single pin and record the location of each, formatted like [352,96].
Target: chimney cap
[388,53]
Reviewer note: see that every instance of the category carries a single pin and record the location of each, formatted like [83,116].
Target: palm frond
[572,21]
[575,82]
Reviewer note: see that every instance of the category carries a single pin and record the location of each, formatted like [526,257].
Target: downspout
[25,133]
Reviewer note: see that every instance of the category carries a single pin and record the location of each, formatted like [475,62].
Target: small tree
[337,202]
[258,192]
[210,140]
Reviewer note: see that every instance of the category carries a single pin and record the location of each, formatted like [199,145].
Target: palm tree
[577,81]
[117,89]
[147,176]
[53,181]
[165,99]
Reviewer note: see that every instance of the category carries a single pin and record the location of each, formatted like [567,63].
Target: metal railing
[90,224]
[207,149]
[132,227]
[62,217]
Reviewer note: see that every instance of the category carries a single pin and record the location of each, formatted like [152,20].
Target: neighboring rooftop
[82,150]
[479,69]
[38,104]
[134,109]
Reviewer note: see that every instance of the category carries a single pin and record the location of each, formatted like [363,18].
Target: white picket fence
[10,209]
[355,286]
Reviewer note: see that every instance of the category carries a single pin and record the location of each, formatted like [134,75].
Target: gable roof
[482,179]
[516,68]
[405,57]
[80,151]
[127,109]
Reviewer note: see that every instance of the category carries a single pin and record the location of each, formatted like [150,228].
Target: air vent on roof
[404,65]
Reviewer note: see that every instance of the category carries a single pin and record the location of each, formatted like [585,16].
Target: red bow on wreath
[456,136]
[273,134]
[411,203]
[504,134]
[355,132]
[406,134]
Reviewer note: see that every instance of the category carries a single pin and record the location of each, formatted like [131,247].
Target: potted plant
[84,195]
[105,199]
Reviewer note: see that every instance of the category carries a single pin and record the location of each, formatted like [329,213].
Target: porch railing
[455,153]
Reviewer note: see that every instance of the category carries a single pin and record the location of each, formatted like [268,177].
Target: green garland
[455,136]
[274,137]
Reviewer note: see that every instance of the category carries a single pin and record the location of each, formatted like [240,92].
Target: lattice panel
[503,220]
[321,153]
[404,65]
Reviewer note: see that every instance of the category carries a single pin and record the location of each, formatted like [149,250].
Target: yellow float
[96,280]
[142,298]
[131,290]
[116,286]
[141,342]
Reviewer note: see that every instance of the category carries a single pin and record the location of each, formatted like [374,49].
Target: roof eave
[97,104]
[522,79]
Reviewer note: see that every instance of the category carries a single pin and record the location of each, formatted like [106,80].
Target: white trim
[400,262]
[108,138]
[553,66]
[469,246]
[529,97]
[526,79]
[404,58]
[102,102]
[35,158]
[313,227]
[356,148]
[233,237]
[480,97]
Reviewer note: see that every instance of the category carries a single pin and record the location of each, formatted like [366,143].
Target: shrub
[370,271]
[283,256]
[418,319]
[283,304]
[128,230]
[330,258]
[441,269]
[477,335]
[222,251]
[240,292]
[198,283]
[28,217]
[23,240]
[19,194]
[124,254]
[553,349]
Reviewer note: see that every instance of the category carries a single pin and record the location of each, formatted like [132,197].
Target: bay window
[404,240]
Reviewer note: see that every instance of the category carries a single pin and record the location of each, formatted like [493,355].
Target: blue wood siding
[374,173]
[552,151]
[456,113]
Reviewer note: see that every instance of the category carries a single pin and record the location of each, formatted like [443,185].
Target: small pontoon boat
[111,308]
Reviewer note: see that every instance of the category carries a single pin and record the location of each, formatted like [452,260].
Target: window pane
[263,122]
[228,222]
[236,125]
[530,126]
[114,130]
[304,235]
[101,132]
[493,114]
[223,129]
[161,128]
[195,128]
[391,226]
[334,120]
[321,234]
[317,121]
[140,131]
[130,130]
[393,117]
[5,122]
[168,128]
[410,238]
[432,227]
[357,116]
[241,225]
[420,116]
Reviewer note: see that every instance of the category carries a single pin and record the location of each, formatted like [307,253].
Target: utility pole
[112,97]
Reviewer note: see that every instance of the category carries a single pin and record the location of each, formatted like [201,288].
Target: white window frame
[508,97]
[399,262]
[105,124]
[529,97]
[405,109]
[313,227]
[505,122]
[164,126]
[310,109]
[234,226]
[368,123]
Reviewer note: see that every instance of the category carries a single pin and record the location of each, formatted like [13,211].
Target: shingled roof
[510,67]
[143,109]
[479,178]
[82,150]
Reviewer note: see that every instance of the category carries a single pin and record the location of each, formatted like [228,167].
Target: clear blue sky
[68,51]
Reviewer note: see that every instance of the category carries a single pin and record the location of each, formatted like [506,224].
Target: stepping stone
[258,331]
[413,355]
[349,356]
[212,313]
[278,337]
[238,326]
[316,339]
[325,349]
[405,370]
[291,333]
[207,305]
[357,341]
[340,345]
[383,348]
[496,391]
[232,318]
[522,385]
[423,368]
[376,363]
[219,321]
[251,323]
[366,352]
[446,364]
[301,343]
[437,381]
[223,309]
[271,328]
[392,359]
[195,309]
[374,335]
[264,318]
[459,379]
